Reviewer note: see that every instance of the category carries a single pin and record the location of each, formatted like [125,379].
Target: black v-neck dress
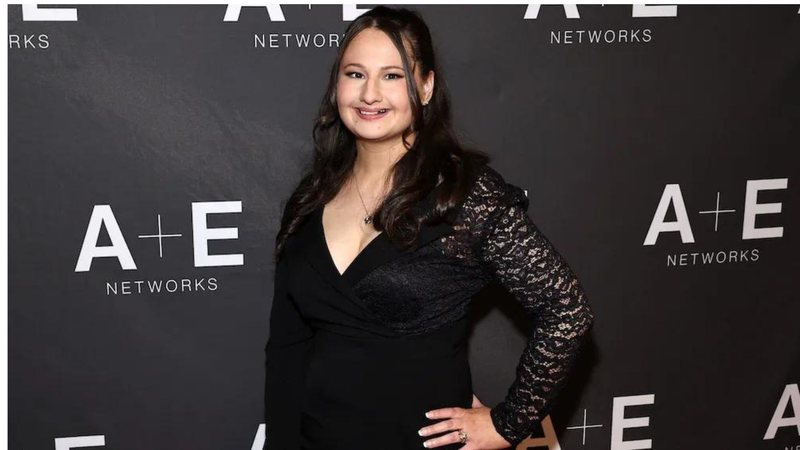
[354,360]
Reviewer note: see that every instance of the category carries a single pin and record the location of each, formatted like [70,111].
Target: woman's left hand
[475,422]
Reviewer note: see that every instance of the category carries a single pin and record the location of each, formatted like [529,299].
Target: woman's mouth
[367,114]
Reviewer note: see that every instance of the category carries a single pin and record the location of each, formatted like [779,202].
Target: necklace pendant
[368,219]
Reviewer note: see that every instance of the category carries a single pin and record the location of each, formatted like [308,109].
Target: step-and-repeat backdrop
[150,148]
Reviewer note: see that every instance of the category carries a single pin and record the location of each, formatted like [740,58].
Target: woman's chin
[375,137]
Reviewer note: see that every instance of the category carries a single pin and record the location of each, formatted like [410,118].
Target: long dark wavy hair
[435,164]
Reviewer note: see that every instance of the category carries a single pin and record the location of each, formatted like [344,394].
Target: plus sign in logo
[685,223]
[160,236]
[583,427]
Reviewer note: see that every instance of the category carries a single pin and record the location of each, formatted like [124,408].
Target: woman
[382,246]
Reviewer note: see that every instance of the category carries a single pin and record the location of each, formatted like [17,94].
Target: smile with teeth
[371,114]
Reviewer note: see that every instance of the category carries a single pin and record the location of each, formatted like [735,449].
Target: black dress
[354,360]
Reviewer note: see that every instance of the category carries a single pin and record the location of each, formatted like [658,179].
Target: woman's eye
[392,76]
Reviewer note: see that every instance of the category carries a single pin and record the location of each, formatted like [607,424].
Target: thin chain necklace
[369,216]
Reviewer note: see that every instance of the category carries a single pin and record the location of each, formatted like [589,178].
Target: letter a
[102,215]
[791,394]
[672,194]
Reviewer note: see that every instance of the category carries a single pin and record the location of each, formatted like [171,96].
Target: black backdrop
[627,126]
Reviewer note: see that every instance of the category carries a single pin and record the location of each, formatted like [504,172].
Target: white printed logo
[103,216]
[672,196]
[683,224]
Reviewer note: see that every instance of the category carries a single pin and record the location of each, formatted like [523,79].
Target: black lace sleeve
[522,260]
[287,352]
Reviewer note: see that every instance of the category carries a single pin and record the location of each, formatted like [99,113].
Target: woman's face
[371,79]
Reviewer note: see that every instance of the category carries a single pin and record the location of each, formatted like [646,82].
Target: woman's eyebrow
[382,68]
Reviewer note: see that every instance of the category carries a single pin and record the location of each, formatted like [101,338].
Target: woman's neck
[374,162]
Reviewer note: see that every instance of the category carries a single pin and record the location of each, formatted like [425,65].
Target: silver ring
[462,436]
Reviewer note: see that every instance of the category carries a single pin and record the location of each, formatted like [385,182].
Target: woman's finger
[449,438]
[439,427]
[441,413]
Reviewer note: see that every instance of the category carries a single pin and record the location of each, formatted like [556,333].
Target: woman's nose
[371,91]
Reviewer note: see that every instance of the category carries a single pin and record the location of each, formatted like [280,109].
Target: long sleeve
[523,261]
[287,351]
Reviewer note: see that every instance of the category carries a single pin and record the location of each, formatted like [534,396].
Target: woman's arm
[522,259]
[286,364]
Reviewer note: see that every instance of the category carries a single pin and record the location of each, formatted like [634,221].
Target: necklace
[368,217]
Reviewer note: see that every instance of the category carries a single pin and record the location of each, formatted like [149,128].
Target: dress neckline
[354,261]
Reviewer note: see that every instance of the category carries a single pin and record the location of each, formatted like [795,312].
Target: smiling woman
[382,245]
[371,93]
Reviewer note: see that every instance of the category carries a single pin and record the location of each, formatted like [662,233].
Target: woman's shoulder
[489,189]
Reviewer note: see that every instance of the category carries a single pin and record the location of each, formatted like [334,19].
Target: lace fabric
[516,253]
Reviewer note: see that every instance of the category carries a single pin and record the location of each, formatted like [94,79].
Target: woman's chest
[405,292]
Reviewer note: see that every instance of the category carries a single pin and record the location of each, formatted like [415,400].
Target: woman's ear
[428,87]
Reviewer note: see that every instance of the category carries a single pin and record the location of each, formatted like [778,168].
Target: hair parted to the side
[436,161]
